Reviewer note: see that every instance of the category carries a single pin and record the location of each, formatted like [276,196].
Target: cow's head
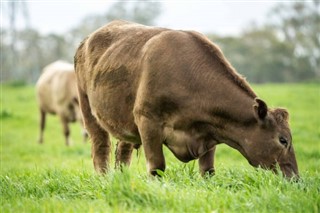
[270,142]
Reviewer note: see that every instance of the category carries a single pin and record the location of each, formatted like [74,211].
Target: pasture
[54,178]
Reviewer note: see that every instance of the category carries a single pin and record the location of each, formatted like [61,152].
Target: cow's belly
[181,152]
[185,146]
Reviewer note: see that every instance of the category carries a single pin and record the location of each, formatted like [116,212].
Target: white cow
[57,94]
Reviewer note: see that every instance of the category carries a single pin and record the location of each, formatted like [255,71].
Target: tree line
[285,49]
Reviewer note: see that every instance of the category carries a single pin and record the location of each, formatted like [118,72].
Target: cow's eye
[283,141]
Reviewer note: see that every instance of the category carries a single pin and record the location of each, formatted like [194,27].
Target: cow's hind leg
[101,144]
[42,124]
[123,154]
[152,139]
[206,162]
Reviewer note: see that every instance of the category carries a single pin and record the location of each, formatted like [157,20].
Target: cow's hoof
[209,173]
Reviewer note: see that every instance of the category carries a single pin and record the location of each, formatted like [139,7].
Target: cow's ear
[281,115]
[260,109]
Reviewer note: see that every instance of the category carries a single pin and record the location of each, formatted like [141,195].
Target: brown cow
[57,94]
[156,86]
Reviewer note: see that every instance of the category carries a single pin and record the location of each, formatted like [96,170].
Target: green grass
[54,178]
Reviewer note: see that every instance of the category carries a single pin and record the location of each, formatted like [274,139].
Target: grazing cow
[57,94]
[155,86]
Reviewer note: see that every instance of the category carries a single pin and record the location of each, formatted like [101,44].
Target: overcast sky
[223,17]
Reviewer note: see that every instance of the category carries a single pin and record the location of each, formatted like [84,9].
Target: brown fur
[156,86]
[57,94]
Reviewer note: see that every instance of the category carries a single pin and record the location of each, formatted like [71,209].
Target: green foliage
[230,191]
[5,114]
[18,83]
[54,178]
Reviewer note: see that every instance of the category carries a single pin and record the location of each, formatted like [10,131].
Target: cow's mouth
[288,171]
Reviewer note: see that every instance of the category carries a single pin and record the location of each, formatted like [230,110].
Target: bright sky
[216,16]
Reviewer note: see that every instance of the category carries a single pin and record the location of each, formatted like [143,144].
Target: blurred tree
[57,47]
[142,11]
[286,49]
[88,25]
[24,52]
[12,12]
[299,24]
[5,56]
[260,55]
[31,54]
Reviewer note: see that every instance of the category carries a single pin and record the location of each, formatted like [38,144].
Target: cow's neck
[233,117]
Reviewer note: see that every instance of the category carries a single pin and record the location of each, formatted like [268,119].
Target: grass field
[54,178]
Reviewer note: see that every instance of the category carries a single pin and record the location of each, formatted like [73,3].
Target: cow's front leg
[42,124]
[66,130]
[206,162]
[152,138]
